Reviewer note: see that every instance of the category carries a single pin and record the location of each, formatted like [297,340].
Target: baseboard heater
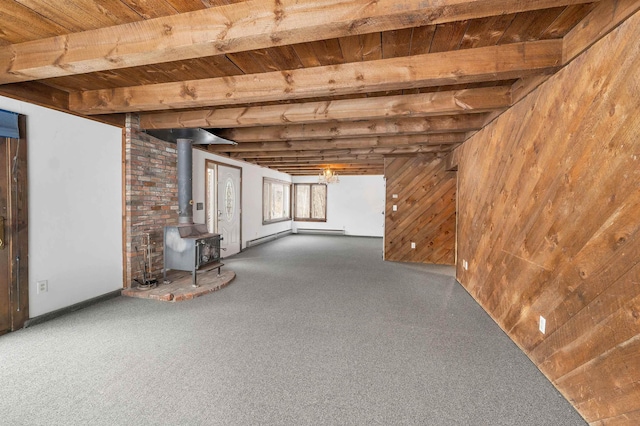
[320,231]
[268,238]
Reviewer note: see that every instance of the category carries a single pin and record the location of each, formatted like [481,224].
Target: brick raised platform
[180,287]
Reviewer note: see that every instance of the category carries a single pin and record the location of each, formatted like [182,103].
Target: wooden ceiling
[300,85]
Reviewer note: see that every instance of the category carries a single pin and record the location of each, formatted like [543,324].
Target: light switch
[395,208]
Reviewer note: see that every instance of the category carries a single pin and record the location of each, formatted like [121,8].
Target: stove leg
[195,277]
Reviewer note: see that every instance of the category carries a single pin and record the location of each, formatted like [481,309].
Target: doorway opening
[223,205]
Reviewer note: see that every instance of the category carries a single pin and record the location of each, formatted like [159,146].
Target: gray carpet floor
[315,330]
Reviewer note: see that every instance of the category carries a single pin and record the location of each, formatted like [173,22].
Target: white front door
[229,209]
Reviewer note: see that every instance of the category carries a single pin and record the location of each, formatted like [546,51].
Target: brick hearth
[180,287]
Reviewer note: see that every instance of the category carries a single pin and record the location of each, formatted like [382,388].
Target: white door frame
[213,165]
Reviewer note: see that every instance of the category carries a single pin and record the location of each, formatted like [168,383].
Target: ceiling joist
[244,26]
[337,167]
[344,143]
[316,170]
[491,63]
[277,161]
[300,84]
[390,127]
[417,105]
[410,149]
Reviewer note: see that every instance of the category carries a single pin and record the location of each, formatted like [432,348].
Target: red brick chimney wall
[151,197]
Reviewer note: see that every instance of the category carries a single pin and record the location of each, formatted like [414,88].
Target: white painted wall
[355,205]
[252,175]
[75,206]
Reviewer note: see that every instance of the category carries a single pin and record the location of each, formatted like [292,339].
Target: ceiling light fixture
[328,176]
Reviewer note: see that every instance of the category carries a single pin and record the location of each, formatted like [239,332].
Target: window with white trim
[310,202]
[276,200]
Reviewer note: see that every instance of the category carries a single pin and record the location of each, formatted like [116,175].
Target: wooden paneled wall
[549,222]
[426,210]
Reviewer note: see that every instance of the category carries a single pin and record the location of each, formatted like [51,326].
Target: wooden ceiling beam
[491,63]
[346,168]
[335,167]
[411,149]
[37,93]
[346,143]
[317,171]
[369,159]
[417,105]
[391,127]
[239,27]
[350,172]
[40,94]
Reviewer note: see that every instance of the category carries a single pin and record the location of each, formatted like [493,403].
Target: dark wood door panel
[5,276]
[14,282]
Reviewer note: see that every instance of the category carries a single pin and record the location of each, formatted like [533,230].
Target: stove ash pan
[190,247]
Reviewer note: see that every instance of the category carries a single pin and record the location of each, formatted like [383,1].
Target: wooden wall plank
[602,19]
[608,320]
[626,419]
[617,371]
[548,221]
[426,209]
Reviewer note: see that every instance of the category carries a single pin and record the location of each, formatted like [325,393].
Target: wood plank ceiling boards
[328,76]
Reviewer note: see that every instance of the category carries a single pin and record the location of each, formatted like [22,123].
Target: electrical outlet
[543,324]
[413,245]
[43,286]
[465,265]
[394,196]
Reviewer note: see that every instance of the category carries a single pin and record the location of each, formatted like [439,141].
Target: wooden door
[14,296]
[229,208]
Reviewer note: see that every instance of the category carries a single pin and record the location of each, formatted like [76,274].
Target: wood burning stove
[189,247]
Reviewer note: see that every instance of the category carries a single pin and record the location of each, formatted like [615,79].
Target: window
[276,201]
[311,202]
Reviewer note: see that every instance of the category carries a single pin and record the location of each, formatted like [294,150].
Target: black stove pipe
[185,138]
[185,177]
